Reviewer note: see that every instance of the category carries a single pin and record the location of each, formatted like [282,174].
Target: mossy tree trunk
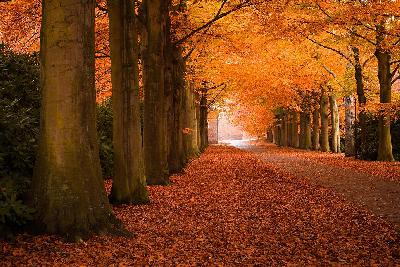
[385,84]
[315,130]
[335,123]
[155,121]
[68,189]
[129,182]
[324,134]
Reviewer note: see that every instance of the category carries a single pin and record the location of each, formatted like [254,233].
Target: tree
[129,182]
[155,121]
[68,191]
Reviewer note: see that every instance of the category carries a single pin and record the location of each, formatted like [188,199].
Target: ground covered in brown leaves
[229,208]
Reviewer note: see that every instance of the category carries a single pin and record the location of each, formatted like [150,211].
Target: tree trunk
[176,156]
[302,142]
[324,141]
[155,121]
[385,84]
[358,74]
[335,124]
[315,130]
[349,121]
[275,135]
[203,121]
[68,189]
[284,130]
[305,130]
[129,182]
[289,123]
[295,129]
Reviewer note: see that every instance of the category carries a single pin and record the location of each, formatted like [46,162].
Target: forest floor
[374,185]
[234,207]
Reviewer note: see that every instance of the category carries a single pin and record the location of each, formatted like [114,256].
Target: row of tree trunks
[68,189]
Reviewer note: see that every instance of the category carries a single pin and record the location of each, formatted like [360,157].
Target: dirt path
[374,185]
[229,208]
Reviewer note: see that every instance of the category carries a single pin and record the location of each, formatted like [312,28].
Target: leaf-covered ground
[374,185]
[228,208]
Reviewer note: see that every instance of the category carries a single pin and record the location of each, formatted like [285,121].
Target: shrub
[104,130]
[370,149]
[19,130]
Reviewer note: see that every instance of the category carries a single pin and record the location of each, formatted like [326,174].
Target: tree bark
[284,138]
[315,130]
[305,130]
[203,121]
[349,121]
[155,121]
[68,189]
[362,101]
[335,124]
[295,129]
[289,123]
[385,84]
[324,141]
[129,182]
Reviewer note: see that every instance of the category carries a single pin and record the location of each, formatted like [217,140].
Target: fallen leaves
[228,208]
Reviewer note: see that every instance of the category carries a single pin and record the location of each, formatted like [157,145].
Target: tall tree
[155,121]
[68,190]
[129,182]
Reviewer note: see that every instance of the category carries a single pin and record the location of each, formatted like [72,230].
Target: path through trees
[229,207]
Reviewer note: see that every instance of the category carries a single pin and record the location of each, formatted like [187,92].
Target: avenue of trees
[295,70]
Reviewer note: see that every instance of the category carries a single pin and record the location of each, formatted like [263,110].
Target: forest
[117,121]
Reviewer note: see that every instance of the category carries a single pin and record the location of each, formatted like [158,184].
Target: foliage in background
[105,133]
[19,131]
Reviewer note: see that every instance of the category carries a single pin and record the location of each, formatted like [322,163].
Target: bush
[19,131]
[104,130]
[370,149]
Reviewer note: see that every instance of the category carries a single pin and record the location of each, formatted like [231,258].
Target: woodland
[105,111]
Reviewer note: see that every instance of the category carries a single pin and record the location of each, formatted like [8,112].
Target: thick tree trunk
[129,182]
[315,130]
[155,121]
[324,138]
[335,124]
[305,130]
[349,121]
[295,129]
[191,136]
[362,100]
[385,83]
[68,189]
[176,155]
